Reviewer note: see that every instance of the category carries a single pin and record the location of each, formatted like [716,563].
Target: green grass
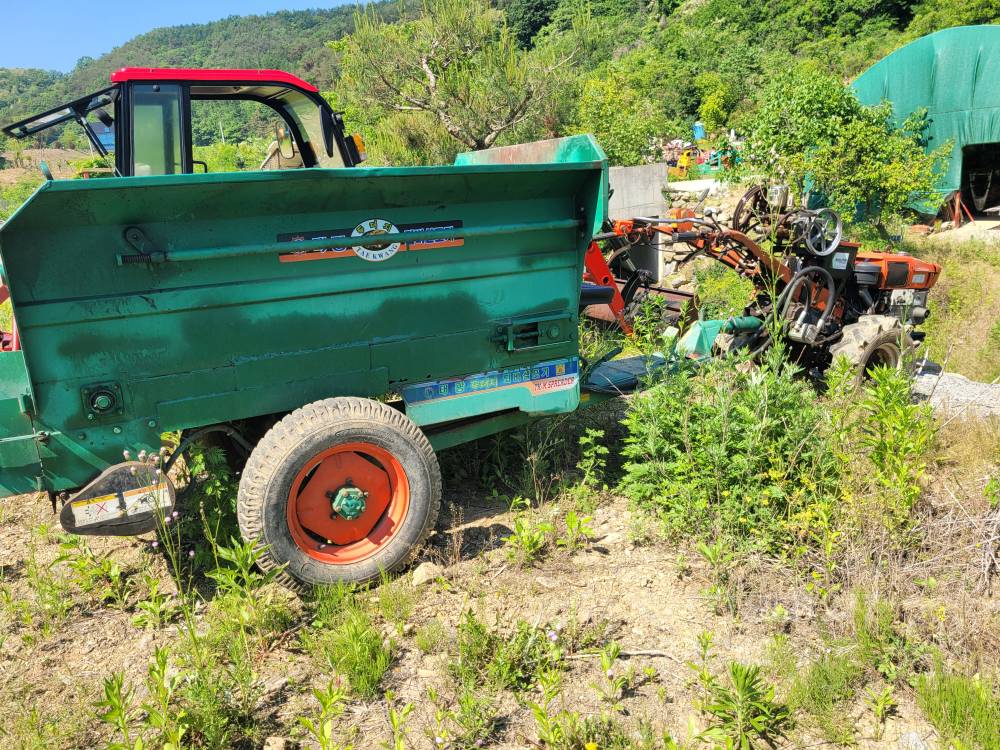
[343,637]
[396,600]
[963,330]
[873,651]
[824,688]
[431,637]
[961,708]
[501,660]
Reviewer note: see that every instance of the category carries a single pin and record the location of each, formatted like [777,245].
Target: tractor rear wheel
[873,341]
[339,490]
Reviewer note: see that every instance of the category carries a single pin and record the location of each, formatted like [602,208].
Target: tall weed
[730,451]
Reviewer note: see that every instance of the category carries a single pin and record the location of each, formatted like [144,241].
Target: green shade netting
[955,74]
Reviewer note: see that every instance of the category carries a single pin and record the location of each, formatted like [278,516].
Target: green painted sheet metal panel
[19,460]
[954,74]
[262,305]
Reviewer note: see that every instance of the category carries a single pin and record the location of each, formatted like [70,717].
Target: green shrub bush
[730,451]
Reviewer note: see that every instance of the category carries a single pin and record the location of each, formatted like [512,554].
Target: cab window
[231,135]
[156,118]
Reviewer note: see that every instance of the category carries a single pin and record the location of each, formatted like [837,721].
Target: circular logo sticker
[375,252]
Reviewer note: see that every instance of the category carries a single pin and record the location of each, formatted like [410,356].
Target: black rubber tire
[284,449]
[873,340]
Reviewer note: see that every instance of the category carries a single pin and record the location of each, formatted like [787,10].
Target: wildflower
[163,450]
[439,741]
[175,514]
[132,470]
[551,635]
[154,544]
[168,519]
[191,553]
[610,673]
[155,459]
[126,454]
[142,455]
[157,472]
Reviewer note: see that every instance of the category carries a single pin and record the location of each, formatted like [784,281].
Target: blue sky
[54,34]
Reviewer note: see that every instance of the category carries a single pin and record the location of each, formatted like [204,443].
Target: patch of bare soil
[59,160]
[649,597]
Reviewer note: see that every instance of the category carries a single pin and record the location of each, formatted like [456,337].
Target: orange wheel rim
[349,536]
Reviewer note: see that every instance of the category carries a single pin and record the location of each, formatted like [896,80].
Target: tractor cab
[143,120]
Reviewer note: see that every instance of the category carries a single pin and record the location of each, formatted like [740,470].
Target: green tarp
[955,74]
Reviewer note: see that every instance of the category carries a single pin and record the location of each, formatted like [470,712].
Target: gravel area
[955,394]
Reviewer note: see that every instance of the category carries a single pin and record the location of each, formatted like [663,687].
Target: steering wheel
[824,232]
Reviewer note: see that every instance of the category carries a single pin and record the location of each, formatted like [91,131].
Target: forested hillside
[628,70]
[289,40]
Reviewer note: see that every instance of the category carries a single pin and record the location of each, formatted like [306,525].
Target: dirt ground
[649,598]
[58,160]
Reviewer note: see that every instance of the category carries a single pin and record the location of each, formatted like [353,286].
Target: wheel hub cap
[348,502]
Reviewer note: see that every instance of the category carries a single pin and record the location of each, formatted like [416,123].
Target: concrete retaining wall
[637,191]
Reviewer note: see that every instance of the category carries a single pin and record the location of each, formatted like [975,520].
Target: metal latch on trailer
[520,335]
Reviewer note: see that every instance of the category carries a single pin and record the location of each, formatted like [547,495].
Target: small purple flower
[439,741]
[479,743]
[126,454]
[154,544]
[163,450]
[175,514]
[610,673]
[191,553]
[142,455]
[552,636]
[167,520]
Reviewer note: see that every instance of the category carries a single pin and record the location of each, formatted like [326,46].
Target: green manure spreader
[335,325]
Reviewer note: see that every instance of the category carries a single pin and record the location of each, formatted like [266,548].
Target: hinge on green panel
[147,252]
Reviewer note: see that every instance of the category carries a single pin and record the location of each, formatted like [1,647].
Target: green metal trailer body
[151,304]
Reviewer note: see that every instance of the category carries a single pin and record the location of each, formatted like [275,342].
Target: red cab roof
[217,75]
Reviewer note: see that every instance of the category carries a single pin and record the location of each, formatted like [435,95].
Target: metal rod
[407,238]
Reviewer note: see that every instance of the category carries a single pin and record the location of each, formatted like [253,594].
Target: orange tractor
[831,298]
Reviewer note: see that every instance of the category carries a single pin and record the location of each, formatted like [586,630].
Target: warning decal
[101,509]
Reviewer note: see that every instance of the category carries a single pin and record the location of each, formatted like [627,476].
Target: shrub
[729,451]
[884,438]
[810,131]
[722,293]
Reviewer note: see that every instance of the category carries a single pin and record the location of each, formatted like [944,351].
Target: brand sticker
[370,252]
